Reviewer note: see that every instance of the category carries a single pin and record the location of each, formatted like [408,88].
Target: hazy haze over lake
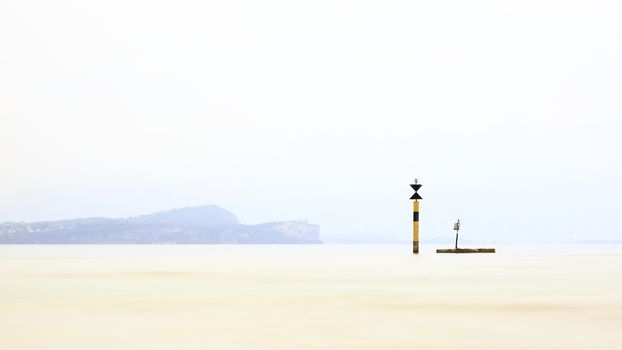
[508,112]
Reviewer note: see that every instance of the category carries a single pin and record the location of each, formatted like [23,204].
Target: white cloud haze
[509,112]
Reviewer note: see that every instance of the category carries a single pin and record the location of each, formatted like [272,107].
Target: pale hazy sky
[509,113]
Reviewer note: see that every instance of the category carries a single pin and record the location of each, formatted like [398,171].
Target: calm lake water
[309,297]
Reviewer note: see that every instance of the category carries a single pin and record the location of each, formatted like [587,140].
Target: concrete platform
[466,250]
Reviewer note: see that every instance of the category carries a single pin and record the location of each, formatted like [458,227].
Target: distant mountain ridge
[207,224]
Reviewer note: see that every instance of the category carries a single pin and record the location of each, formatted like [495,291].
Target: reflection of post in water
[457,228]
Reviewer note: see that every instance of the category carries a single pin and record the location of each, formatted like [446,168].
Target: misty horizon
[508,114]
[336,238]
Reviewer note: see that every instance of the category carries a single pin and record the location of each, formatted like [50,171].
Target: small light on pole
[457,228]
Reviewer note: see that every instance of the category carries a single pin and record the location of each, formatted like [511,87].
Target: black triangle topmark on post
[416,196]
[416,187]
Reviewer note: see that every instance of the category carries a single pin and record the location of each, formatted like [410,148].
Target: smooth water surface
[309,297]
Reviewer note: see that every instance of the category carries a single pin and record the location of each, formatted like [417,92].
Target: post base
[415,247]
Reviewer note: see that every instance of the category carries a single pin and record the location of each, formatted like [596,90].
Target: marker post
[416,186]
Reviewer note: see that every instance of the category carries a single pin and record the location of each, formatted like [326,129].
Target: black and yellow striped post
[416,198]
